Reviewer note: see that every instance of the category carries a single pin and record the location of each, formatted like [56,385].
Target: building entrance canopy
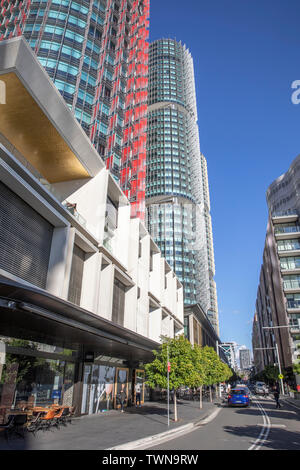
[34,314]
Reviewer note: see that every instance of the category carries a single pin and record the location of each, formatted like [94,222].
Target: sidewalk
[113,428]
[292,401]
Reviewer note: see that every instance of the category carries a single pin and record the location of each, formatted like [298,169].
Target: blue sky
[246,56]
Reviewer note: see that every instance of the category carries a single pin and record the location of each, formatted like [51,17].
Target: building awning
[30,313]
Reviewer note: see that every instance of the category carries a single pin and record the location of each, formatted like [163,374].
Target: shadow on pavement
[281,439]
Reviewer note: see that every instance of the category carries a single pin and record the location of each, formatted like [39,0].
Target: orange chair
[62,414]
[46,420]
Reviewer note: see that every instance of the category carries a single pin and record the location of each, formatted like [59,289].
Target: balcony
[291,286]
[295,330]
[294,251]
[284,218]
[288,232]
[289,270]
[72,209]
[293,303]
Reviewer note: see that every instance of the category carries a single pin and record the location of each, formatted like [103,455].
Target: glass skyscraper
[177,192]
[96,53]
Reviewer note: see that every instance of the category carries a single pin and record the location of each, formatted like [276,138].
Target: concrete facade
[105,291]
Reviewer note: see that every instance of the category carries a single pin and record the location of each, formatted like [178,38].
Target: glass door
[121,385]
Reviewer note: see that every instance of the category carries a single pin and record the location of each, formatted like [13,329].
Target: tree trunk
[210,393]
[175,406]
[201,397]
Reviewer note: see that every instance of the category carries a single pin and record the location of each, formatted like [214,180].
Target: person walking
[138,391]
[122,398]
[276,396]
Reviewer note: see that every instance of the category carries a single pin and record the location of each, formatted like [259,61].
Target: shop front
[34,374]
[103,382]
[53,352]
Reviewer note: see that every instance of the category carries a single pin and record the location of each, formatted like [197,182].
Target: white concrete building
[79,278]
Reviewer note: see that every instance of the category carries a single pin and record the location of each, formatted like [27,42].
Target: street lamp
[277,354]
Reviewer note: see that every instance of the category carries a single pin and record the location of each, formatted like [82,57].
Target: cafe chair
[34,423]
[15,424]
[46,420]
[7,427]
[61,416]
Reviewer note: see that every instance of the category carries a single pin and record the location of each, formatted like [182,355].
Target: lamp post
[218,346]
[276,348]
[168,378]
[277,354]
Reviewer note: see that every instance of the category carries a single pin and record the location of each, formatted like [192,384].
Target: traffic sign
[169,366]
[280,376]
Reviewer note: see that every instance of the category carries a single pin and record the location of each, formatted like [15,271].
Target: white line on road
[265,430]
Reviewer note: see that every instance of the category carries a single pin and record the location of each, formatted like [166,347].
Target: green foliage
[182,366]
[271,373]
[190,366]
[200,367]
[215,370]
[296,369]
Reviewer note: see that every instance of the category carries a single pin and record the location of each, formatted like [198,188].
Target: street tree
[215,370]
[200,367]
[182,373]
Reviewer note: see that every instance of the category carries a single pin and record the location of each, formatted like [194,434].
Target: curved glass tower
[96,53]
[177,194]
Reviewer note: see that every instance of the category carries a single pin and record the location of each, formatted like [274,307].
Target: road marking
[265,430]
[274,425]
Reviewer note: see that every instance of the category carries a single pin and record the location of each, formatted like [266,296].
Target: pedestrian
[122,398]
[276,396]
[138,391]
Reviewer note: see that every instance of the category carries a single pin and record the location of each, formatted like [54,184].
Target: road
[258,427]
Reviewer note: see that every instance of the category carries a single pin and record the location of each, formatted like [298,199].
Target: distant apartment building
[245,359]
[96,53]
[85,294]
[177,191]
[258,353]
[278,298]
[230,352]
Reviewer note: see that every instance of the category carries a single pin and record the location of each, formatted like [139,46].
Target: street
[259,427]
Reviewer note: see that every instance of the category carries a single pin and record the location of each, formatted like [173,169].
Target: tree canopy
[191,366]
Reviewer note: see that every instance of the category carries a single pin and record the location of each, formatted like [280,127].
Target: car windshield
[238,392]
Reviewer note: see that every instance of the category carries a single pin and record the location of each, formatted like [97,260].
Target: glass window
[286,245]
[98,388]
[35,374]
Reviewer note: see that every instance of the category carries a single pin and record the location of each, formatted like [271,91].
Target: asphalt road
[258,427]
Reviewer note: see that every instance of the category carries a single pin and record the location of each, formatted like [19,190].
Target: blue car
[238,397]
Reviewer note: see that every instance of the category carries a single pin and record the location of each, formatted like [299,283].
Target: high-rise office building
[177,194]
[96,53]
